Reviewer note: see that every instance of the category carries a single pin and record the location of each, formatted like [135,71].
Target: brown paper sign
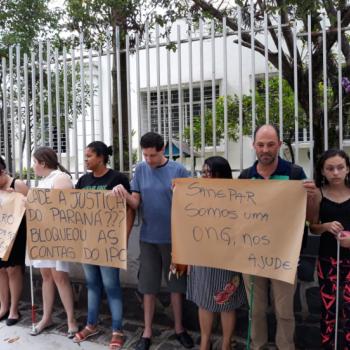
[250,226]
[11,213]
[86,226]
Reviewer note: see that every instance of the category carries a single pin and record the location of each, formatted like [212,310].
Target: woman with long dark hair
[216,290]
[11,271]
[331,222]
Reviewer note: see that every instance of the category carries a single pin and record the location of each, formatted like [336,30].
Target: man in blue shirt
[151,189]
[270,166]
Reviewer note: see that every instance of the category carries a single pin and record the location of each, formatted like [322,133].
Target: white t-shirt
[48,182]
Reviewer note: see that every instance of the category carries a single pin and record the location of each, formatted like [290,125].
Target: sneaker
[143,344]
[185,340]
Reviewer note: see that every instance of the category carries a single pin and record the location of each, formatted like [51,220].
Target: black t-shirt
[332,211]
[106,182]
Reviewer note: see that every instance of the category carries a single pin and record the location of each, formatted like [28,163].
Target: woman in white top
[54,175]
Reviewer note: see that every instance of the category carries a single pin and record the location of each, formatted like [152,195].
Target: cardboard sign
[86,226]
[250,226]
[11,213]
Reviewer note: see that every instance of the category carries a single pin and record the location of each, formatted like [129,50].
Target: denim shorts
[155,260]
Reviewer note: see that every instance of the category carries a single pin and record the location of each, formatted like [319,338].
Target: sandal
[85,333]
[117,341]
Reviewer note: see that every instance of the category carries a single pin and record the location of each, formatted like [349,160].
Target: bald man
[269,165]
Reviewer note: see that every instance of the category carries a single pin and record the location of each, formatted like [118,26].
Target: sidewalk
[18,338]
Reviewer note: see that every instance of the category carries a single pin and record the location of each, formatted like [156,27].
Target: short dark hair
[101,149]
[152,140]
[2,164]
[219,167]
[274,126]
[321,180]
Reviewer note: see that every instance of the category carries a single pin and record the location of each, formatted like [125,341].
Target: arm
[333,227]
[21,187]
[313,200]
[62,182]
[130,217]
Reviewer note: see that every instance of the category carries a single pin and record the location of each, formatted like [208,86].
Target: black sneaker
[185,340]
[143,344]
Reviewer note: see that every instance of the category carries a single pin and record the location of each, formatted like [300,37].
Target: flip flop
[36,331]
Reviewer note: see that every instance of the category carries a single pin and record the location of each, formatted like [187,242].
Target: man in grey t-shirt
[151,189]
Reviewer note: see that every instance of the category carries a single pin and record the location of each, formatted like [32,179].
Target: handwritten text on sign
[85,226]
[11,213]
[250,226]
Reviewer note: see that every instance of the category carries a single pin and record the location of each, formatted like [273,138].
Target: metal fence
[64,98]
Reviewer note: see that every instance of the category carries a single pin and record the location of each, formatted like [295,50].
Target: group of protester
[151,190]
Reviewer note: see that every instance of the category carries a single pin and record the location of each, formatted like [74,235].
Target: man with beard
[269,165]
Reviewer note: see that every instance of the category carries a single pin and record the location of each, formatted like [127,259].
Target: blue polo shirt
[155,188]
[282,172]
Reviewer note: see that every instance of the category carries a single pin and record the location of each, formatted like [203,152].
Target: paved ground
[18,337]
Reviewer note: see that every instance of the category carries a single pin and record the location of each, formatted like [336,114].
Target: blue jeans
[98,277]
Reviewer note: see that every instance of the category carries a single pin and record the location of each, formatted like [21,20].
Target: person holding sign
[11,271]
[216,290]
[97,277]
[54,273]
[152,190]
[270,166]
[331,222]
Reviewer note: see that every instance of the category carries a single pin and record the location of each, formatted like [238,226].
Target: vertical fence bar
[340,89]
[127,48]
[266,40]
[138,95]
[148,79]
[12,113]
[213,83]
[280,82]
[92,93]
[190,86]
[296,103]
[58,106]
[82,90]
[170,119]
[325,83]
[119,99]
[65,103]
[109,82]
[252,57]
[309,45]
[159,112]
[100,98]
[179,89]
[49,97]
[41,94]
[201,67]
[240,87]
[35,126]
[19,109]
[74,107]
[4,101]
[224,78]
[27,120]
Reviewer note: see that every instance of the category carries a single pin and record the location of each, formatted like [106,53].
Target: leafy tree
[233,115]
[288,11]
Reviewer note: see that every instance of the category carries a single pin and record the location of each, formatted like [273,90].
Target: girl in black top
[11,271]
[332,179]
